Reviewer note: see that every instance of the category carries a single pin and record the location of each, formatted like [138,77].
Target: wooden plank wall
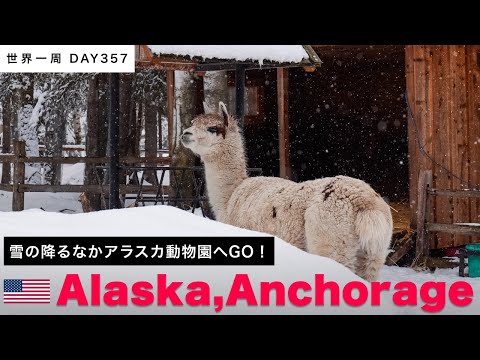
[473,111]
[443,86]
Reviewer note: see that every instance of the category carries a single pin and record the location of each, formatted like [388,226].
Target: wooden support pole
[7,138]
[283,124]
[170,107]
[18,198]
[114,137]
[423,247]
[240,94]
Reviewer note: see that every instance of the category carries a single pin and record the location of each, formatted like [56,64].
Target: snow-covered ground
[291,264]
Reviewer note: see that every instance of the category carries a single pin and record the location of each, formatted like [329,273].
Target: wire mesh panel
[180,186]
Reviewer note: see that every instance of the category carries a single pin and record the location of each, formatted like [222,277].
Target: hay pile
[401,216]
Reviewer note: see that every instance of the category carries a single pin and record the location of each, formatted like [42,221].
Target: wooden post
[170,107]
[18,203]
[7,138]
[413,149]
[113,137]
[283,131]
[423,246]
[240,94]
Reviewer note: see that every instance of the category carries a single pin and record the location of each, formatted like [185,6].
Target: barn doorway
[350,118]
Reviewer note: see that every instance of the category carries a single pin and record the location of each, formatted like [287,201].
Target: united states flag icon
[26,291]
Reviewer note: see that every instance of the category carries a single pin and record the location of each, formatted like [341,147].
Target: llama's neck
[223,173]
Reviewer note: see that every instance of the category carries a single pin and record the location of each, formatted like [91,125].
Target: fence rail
[425,226]
[77,159]
[19,188]
[147,183]
[67,188]
[71,149]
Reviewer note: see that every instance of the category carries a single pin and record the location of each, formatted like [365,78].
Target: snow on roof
[260,53]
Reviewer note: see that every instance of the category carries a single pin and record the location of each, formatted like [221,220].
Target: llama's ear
[222,109]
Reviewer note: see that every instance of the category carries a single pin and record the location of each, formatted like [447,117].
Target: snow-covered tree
[62,97]
[215,88]
[37,108]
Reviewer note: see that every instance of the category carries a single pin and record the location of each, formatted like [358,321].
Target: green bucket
[473,260]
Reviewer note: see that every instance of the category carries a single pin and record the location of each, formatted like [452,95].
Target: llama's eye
[212,129]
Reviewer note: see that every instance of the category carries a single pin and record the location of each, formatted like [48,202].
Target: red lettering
[292,293]
[95,290]
[410,293]
[200,296]
[434,303]
[218,302]
[377,288]
[347,293]
[76,293]
[117,294]
[241,281]
[460,289]
[321,286]
[143,296]
[265,288]
[167,292]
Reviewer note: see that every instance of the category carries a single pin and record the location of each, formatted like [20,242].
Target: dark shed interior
[349,117]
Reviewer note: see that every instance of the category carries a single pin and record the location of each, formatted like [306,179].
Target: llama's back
[272,205]
[338,217]
[349,222]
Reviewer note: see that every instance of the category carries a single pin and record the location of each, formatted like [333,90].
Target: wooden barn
[388,114]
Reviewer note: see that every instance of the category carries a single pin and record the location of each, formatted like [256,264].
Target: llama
[339,217]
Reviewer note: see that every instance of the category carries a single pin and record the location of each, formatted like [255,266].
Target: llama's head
[210,133]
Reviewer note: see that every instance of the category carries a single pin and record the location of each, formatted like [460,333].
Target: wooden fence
[19,188]
[425,223]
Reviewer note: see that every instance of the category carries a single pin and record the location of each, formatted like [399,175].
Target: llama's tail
[374,228]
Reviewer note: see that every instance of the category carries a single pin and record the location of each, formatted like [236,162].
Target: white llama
[337,217]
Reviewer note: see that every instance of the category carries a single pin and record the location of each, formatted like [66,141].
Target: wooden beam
[400,252]
[283,124]
[146,52]
[463,229]
[423,246]
[98,189]
[350,51]
[18,198]
[87,160]
[442,144]
[459,136]
[114,141]
[455,193]
[170,107]
[166,66]
[313,57]
[7,125]
[6,187]
[413,150]
[240,95]
[232,65]
[309,69]
[473,125]
[6,158]
[442,263]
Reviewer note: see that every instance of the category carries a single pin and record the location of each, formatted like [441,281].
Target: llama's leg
[327,236]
